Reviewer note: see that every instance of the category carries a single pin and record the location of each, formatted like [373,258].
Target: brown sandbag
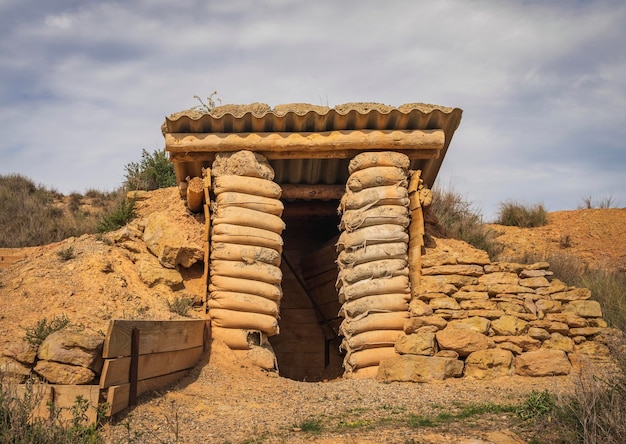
[235,338]
[396,284]
[378,234]
[370,197]
[242,163]
[250,201]
[382,302]
[379,215]
[384,268]
[362,373]
[237,285]
[237,234]
[371,339]
[249,254]
[393,250]
[241,319]
[243,302]
[376,177]
[378,159]
[248,185]
[368,357]
[256,272]
[248,218]
[373,321]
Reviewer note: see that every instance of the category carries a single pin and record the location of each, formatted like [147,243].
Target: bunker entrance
[307,348]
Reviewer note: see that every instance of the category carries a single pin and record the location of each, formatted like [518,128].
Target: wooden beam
[310,209]
[309,192]
[307,141]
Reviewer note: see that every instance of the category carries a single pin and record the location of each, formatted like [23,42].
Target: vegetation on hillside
[153,171]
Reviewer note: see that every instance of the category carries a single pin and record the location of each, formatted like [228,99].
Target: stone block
[58,373]
[20,351]
[488,364]
[13,369]
[542,363]
[548,306]
[584,308]
[577,294]
[534,282]
[526,343]
[462,340]
[77,348]
[489,314]
[538,333]
[445,303]
[152,274]
[169,243]
[462,270]
[509,326]
[420,343]
[478,304]
[413,368]
[559,342]
[585,331]
[470,295]
[499,277]
[418,307]
[571,319]
[411,325]
[476,323]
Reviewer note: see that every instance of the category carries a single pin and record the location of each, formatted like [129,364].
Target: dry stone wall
[474,318]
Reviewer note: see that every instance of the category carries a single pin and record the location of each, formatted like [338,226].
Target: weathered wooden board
[155,336]
[116,371]
[118,395]
[64,397]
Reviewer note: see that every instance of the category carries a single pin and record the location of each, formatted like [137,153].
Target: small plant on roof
[209,105]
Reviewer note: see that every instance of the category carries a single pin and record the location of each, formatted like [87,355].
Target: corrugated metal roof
[306,118]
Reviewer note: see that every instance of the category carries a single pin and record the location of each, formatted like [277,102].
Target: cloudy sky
[86,84]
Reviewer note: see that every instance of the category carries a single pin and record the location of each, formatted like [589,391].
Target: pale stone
[13,369]
[511,307]
[543,265]
[414,368]
[538,333]
[152,274]
[262,357]
[451,314]
[534,273]
[478,324]
[504,267]
[548,306]
[577,294]
[76,348]
[447,354]
[584,308]
[489,314]
[499,277]
[480,288]
[416,344]
[58,373]
[556,286]
[20,351]
[411,325]
[169,243]
[515,349]
[445,303]
[418,307]
[586,331]
[462,340]
[542,363]
[508,289]
[509,326]
[571,319]
[525,316]
[442,283]
[478,304]
[467,295]
[463,270]
[597,322]
[526,343]
[428,296]
[551,326]
[559,342]
[534,282]
[488,364]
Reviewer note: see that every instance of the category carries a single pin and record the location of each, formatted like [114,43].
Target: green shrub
[536,406]
[43,328]
[517,215]
[120,216]
[180,305]
[153,171]
[66,254]
[459,220]
[312,425]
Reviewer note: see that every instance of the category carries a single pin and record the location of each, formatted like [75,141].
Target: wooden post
[206,180]
[134,366]
[416,231]
[195,194]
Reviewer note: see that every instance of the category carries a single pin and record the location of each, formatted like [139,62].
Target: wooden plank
[156,336]
[362,140]
[320,192]
[39,394]
[65,397]
[116,371]
[117,395]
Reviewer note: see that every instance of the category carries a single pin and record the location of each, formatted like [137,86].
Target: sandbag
[376,177]
[250,201]
[373,321]
[384,268]
[249,218]
[248,185]
[369,197]
[238,234]
[396,284]
[257,272]
[379,215]
[242,163]
[381,302]
[378,234]
[237,285]
[371,339]
[243,302]
[248,254]
[241,319]
[237,338]
[362,373]
[393,250]
[378,159]
[368,357]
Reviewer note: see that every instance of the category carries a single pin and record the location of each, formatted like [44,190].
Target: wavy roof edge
[261,110]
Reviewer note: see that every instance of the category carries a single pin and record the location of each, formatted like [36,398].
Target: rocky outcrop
[170,244]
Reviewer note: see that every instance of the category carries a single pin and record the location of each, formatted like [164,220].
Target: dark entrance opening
[307,348]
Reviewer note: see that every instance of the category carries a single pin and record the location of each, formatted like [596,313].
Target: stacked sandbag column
[373,281]
[246,248]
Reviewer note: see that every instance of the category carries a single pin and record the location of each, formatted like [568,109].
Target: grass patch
[66,254]
[123,213]
[536,406]
[311,425]
[515,214]
[180,305]
[463,413]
